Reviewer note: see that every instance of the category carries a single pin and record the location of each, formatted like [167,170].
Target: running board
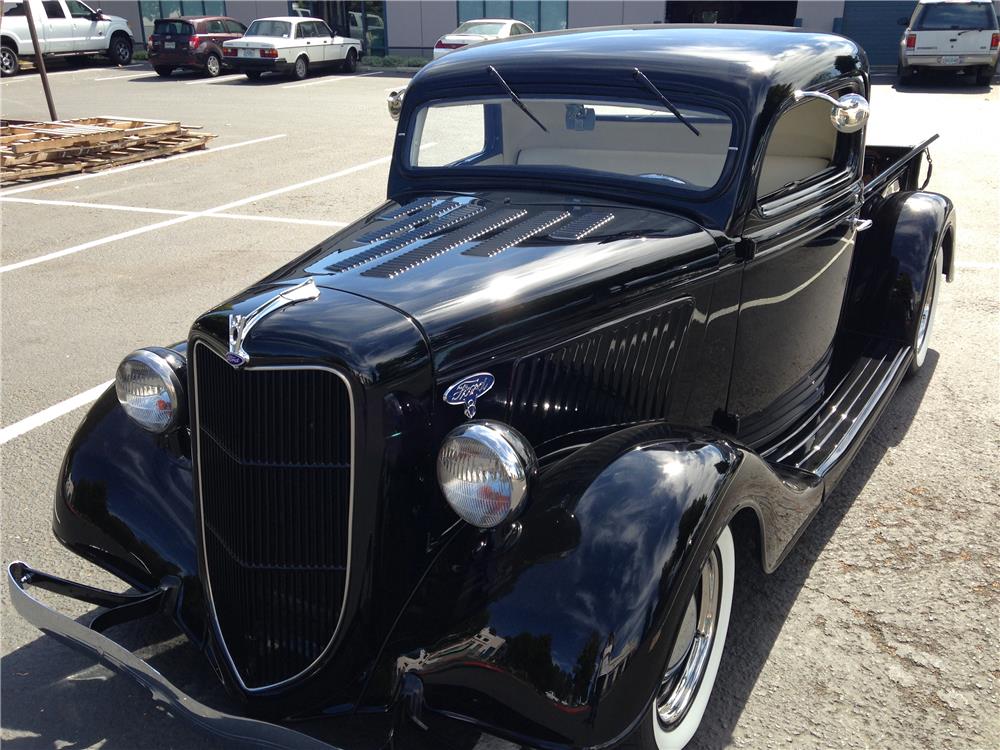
[823,438]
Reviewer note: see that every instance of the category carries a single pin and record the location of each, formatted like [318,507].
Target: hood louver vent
[439,246]
[438,224]
[409,208]
[408,222]
[582,226]
[517,234]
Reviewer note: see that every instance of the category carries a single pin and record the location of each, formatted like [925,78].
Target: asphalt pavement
[881,629]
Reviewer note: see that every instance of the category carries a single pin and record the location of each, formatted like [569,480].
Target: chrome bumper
[123,608]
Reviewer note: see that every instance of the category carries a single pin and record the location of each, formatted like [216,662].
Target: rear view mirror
[849,113]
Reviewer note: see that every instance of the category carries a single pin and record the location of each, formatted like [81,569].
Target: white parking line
[217,79]
[977,265]
[169,212]
[68,72]
[328,80]
[122,78]
[138,165]
[194,215]
[53,412]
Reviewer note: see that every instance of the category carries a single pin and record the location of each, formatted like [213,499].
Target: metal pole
[39,62]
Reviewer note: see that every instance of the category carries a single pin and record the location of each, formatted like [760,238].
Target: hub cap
[8,61]
[693,646]
[212,64]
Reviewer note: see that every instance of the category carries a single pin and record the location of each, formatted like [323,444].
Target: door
[803,231]
[874,24]
[89,34]
[58,26]
[332,49]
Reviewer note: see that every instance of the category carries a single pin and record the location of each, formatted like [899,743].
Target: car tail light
[447,45]
[911,41]
[230,51]
[194,41]
[269,52]
[995,42]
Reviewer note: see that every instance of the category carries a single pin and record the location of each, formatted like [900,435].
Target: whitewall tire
[694,662]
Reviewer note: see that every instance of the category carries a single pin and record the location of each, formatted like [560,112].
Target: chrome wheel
[8,62]
[213,65]
[689,657]
[693,663]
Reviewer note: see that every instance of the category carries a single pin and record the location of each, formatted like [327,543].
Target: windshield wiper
[514,98]
[641,78]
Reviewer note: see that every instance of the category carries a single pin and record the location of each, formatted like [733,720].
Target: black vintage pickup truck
[474,463]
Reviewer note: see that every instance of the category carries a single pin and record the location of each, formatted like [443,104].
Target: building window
[540,15]
[360,19]
[150,10]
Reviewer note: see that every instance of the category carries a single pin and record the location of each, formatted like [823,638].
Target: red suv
[192,42]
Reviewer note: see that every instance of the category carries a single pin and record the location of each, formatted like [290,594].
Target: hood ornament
[240,325]
[465,391]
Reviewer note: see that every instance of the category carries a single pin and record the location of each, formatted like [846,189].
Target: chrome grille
[274,472]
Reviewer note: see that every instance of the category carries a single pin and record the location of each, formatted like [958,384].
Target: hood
[474,271]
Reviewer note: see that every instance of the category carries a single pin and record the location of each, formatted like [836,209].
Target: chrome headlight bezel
[168,366]
[513,455]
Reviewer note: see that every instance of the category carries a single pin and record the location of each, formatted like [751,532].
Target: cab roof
[740,62]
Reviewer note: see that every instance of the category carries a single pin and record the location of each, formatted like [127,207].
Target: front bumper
[123,608]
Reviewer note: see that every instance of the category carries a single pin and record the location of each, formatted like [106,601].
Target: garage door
[874,25]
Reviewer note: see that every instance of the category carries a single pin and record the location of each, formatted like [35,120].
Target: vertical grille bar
[274,474]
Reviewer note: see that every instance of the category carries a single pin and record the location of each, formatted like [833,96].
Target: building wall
[414,27]
[244,11]
[818,15]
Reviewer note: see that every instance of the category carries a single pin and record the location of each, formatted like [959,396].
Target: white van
[962,36]
[64,27]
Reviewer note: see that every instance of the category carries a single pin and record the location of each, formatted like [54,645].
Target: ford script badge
[467,390]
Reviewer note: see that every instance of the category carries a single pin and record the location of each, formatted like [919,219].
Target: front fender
[124,501]
[554,632]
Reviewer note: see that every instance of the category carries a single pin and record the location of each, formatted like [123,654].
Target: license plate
[951,60]
[169,45]
[247,53]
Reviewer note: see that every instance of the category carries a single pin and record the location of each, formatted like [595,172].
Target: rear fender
[894,261]
[558,627]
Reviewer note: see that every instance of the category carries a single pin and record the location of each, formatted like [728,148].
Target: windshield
[478,27]
[281,29]
[950,16]
[639,141]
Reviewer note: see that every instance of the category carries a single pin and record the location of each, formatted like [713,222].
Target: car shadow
[761,602]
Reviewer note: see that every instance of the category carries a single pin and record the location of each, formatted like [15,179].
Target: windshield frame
[548,177]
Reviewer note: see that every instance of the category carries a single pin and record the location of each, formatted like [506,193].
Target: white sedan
[479,30]
[292,45]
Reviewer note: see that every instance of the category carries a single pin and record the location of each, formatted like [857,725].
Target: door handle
[861,225]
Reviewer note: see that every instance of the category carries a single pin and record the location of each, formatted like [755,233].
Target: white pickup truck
[64,27]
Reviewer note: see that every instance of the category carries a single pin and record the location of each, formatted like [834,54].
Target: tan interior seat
[801,145]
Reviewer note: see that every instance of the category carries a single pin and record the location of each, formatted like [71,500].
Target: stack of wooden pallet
[30,150]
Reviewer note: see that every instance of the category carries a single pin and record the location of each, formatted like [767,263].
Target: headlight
[483,469]
[150,390]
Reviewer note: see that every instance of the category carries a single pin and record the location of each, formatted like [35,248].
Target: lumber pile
[31,150]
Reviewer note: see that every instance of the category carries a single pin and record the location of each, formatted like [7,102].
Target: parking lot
[881,628]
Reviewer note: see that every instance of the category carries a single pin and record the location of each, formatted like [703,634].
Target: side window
[450,134]
[13,9]
[216,27]
[322,29]
[78,9]
[803,144]
[235,27]
[53,9]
